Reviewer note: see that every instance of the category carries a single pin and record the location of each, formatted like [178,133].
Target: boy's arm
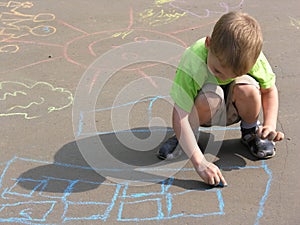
[269,98]
[209,172]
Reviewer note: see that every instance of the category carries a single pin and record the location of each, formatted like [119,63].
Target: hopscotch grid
[164,194]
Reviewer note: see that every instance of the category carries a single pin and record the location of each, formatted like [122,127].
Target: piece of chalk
[221,184]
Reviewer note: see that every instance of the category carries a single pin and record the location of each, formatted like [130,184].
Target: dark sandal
[260,148]
[167,150]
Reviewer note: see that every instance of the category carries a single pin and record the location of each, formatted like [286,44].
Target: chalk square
[197,207]
[139,192]
[26,212]
[148,209]
[98,202]
[104,193]
[86,211]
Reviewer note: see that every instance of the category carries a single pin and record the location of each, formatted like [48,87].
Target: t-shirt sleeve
[263,72]
[190,77]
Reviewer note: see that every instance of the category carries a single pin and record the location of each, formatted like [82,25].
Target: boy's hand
[267,132]
[211,174]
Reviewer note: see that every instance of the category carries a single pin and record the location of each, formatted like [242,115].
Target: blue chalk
[221,185]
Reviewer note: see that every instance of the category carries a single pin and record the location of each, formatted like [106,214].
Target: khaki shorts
[227,113]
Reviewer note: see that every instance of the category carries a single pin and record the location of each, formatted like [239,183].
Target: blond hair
[236,41]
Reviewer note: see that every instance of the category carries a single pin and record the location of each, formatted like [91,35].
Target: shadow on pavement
[69,165]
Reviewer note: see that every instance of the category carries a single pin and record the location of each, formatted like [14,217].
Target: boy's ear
[207,42]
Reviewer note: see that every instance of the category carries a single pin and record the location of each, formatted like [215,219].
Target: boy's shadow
[69,165]
[231,154]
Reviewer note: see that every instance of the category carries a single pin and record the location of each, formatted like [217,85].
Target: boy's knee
[207,103]
[210,96]
[245,92]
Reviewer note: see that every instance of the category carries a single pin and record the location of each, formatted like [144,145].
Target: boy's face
[215,67]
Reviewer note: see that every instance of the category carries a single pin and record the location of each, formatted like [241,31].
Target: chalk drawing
[32,101]
[96,44]
[168,11]
[15,24]
[158,15]
[295,22]
[31,64]
[9,48]
[122,34]
[37,206]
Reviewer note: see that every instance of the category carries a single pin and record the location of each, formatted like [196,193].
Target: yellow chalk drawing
[123,35]
[9,48]
[295,22]
[156,18]
[158,15]
[15,24]
[32,101]
[12,94]
[27,106]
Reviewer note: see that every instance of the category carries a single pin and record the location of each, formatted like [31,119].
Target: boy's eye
[217,71]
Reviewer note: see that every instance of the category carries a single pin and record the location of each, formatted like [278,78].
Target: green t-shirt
[192,73]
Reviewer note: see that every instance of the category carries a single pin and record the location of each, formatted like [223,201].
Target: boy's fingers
[272,135]
[211,181]
[217,181]
[266,133]
[279,136]
[214,176]
[222,180]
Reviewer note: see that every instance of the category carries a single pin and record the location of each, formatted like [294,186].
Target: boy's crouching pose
[225,74]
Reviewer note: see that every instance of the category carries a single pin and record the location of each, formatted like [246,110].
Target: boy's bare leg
[201,114]
[205,106]
[247,100]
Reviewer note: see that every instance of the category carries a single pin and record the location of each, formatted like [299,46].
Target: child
[227,69]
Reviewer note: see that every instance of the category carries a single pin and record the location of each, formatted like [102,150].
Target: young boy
[226,68]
